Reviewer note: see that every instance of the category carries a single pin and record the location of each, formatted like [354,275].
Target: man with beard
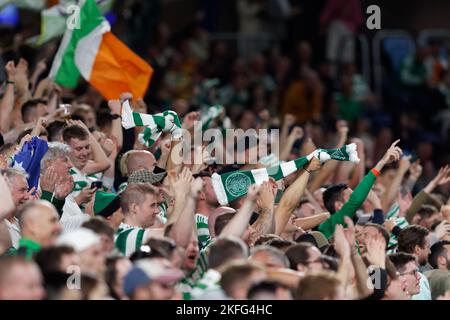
[415,240]
[439,259]
[409,274]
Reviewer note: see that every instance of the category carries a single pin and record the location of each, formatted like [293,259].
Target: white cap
[80,239]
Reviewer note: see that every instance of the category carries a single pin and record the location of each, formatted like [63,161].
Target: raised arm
[182,229]
[359,195]
[311,222]
[360,168]
[116,130]
[329,168]
[265,202]
[343,249]
[165,151]
[360,268]
[390,194]
[7,103]
[292,196]
[296,134]
[179,186]
[238,224]
[441,178]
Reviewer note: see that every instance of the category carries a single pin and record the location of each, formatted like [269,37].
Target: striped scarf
[156,124]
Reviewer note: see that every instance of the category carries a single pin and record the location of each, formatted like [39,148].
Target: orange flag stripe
[117,69]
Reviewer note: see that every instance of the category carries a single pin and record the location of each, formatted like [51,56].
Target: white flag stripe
[87,49]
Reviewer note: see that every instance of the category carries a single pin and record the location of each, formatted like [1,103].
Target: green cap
[105,203]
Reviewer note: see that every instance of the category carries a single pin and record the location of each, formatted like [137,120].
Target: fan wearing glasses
[409,274]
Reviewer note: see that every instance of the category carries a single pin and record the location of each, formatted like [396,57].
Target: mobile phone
[96,184]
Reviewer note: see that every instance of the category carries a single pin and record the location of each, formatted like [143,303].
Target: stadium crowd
[95,205]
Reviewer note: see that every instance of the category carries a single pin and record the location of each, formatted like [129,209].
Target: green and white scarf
[234,185]
[156,124]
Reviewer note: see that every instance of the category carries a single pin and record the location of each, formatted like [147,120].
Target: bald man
[39,222]
[135,160]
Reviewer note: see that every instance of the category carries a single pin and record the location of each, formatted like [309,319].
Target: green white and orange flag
[93,52]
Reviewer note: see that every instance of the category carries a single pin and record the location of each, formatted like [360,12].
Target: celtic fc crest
[237,184]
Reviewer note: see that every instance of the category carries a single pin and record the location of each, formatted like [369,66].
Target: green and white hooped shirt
[81,180]
[128,239]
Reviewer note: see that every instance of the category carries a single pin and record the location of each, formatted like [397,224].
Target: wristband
[375,172]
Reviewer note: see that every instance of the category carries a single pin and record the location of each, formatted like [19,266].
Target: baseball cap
[316,238]
[146,271]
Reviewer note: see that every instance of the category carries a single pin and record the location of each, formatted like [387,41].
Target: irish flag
[90,50]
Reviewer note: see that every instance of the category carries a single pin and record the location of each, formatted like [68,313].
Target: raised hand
[64,187]
[289,119]
[376,251]
[48,179]
[415,170]
[253,192]
[78,123]
[25,138]
[21,76]
[41,66]
[182,182]
[445,210]
[196,187]
[404,164]
[10,69]
[115,106]
[126,96]
[393,153]
[296,134]
[349,234]
[313,165]
[266,196]
[442,229]
[341,245]
[443,176]
[165,146]
[342,128]
[190,119]
[85,195]
[108,146]
[389,224]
